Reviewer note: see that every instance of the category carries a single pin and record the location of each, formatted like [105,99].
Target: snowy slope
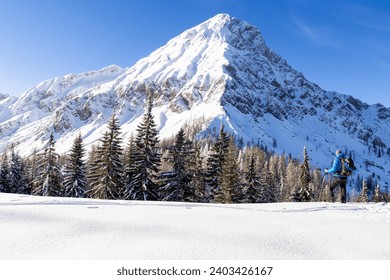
[5,101]
[220,71]
[65,228]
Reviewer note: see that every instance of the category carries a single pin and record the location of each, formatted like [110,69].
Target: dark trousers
[342,182]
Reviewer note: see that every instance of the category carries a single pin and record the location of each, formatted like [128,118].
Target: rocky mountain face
[220,71]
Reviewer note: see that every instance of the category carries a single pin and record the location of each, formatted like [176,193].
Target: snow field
[49,228]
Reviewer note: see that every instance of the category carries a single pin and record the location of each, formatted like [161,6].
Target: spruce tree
[377,196]
[129,161]
[18,174]
[198,180]
[229,179]
[5,184]
[215,162]
[252,182]
[282,171]
[305,191]
[106,174]
[75,183]
[176,183]
[49,180]
[268,189]
[32,171]
[273,167]
[145,159]
[363,196]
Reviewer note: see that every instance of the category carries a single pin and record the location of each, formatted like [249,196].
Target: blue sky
[342,45]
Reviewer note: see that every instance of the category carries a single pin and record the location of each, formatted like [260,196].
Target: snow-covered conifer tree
[176,183]
[49,180]
[18,174]
[32,170]
[377,196]
[214,165]
[282,170]
[305,190]
[290,181]
[129,161]
[5,184]
[146,159]
[230,190]
[75,183]
[274,169]
[363,196]
[198,180]
[106,174]
[252,184]
[268,191]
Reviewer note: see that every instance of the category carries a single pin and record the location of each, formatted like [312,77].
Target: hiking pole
[330,192]
[322,181]
[324,187]
[321,186]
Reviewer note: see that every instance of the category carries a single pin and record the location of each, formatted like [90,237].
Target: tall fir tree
[145,159]
[252,184]
[129,161]
[273,167]
[304,192]
[32,170]
[106,174]
[18,174]
[176,183]
[289,181]
[268,190]
[198,180]
[49,180]
[377,196]
[230,190]
[5,184]
[75,183]
[282,171]
[215,162]
[363,196]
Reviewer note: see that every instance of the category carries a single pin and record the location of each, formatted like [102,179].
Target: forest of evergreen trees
[179,169]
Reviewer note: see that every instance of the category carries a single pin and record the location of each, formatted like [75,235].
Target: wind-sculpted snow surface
[65,228]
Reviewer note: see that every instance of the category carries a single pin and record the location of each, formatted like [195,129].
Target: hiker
[338,178]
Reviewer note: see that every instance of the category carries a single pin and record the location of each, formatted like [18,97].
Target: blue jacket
[336,168]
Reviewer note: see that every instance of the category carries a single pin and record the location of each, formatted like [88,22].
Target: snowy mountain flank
[220,71]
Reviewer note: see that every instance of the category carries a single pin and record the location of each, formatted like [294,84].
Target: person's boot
[332,198]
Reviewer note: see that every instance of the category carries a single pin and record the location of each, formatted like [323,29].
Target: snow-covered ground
[65,228]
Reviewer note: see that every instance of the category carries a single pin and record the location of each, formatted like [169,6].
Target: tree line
[179,169]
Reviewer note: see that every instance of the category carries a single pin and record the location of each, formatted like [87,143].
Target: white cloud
[319,35]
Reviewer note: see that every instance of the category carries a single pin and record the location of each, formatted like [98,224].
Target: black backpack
[347,166]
